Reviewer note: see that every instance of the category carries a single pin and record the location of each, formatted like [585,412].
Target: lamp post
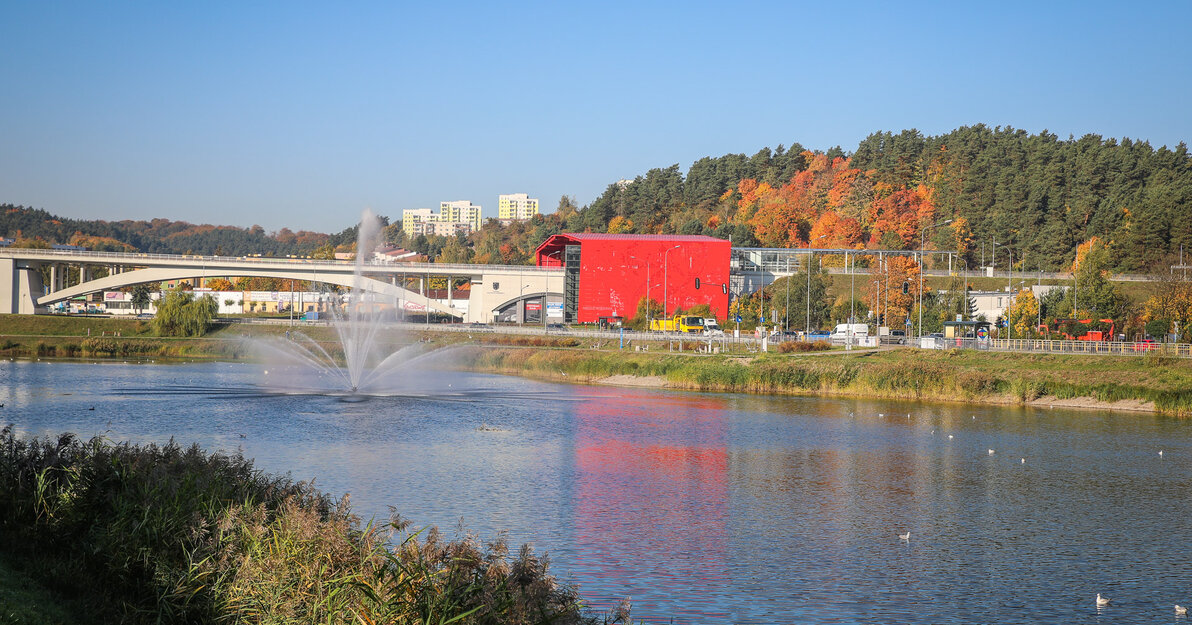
[521,294]
[852,298]
[810,259]
[922,243]
[665,283]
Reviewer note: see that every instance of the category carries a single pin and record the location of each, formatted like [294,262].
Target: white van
[841,333]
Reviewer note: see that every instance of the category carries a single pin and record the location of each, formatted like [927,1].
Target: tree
[220,284]
[141,297]
[1024,314]
[788,296]
[326,252]
[454,252]
[1096,296]
[180,314]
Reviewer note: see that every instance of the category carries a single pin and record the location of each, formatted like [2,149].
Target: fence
[1119,348]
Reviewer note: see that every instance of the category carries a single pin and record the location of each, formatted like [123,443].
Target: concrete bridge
[495,289]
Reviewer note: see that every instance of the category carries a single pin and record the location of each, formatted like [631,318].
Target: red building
[608,274]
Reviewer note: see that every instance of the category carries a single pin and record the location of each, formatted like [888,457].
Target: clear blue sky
[300,115]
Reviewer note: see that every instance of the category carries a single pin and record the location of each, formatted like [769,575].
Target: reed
[948,376]
[168,533]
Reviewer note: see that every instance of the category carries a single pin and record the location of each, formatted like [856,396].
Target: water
[715,508]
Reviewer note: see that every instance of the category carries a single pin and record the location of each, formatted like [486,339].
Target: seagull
[991,452]
[906,536]
[1160,453]
[881,415]
[1023,460]
[949,437]
[1179,609]
[1102,600]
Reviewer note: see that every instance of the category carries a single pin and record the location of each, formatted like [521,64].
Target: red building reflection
[651,493]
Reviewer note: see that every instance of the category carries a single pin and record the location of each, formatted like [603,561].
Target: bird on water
[906,536]
[1102,600]
[1179,609]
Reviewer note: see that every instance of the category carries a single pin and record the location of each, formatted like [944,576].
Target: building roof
[600,236]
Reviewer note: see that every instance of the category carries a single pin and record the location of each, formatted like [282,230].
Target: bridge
[32,279]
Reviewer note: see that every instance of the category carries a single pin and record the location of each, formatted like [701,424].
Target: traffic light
[906,288]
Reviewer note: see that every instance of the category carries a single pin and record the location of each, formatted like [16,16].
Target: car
[145,316]
[1145,345]
[555,326]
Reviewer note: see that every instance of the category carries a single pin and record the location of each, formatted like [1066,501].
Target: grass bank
[1163,385]
[153,534]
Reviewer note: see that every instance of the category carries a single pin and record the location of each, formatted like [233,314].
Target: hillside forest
[970,191]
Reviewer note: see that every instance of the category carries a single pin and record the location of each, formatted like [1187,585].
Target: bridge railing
[134,258]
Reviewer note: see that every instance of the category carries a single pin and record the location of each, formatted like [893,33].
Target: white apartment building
[516,206]
[460,217]
[461,211]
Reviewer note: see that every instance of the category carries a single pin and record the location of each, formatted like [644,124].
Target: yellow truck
[681,323]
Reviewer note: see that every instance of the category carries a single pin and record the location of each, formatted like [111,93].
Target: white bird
[1023,460]
[991,452]
[1160,453]
[974,417]
[881,414]
[906,536]
[1102,600]
[1179,609]
[949,437]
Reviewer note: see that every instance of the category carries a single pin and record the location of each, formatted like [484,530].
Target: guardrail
[133,258]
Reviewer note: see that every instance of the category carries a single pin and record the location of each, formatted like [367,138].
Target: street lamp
[665,284]
[922,244]
[810,258]
[521,294]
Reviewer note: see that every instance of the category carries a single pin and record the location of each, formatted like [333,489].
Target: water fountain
[375,359]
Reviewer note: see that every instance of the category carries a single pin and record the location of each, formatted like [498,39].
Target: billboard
[554,310]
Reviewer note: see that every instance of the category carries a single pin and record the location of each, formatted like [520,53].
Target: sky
[302,114]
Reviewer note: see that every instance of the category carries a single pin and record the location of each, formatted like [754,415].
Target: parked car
[1145,345]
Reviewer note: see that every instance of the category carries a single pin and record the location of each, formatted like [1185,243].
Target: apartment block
[460,211]
[459,217]
[516,206]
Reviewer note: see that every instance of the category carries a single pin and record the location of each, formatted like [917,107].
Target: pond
[707,508]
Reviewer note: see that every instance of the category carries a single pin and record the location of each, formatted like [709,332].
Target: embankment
[1148,383]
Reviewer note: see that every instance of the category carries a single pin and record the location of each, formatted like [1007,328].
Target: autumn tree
[220,284]
[1023,314]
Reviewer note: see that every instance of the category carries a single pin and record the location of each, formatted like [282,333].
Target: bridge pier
[20,286]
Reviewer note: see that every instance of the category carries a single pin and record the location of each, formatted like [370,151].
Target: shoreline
[661,383]
[1149,383]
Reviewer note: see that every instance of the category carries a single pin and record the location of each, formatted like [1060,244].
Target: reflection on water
[714,508]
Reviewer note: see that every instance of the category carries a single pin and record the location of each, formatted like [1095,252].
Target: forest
[1038,196]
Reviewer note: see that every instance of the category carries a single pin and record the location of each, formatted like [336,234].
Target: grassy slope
[947,375]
